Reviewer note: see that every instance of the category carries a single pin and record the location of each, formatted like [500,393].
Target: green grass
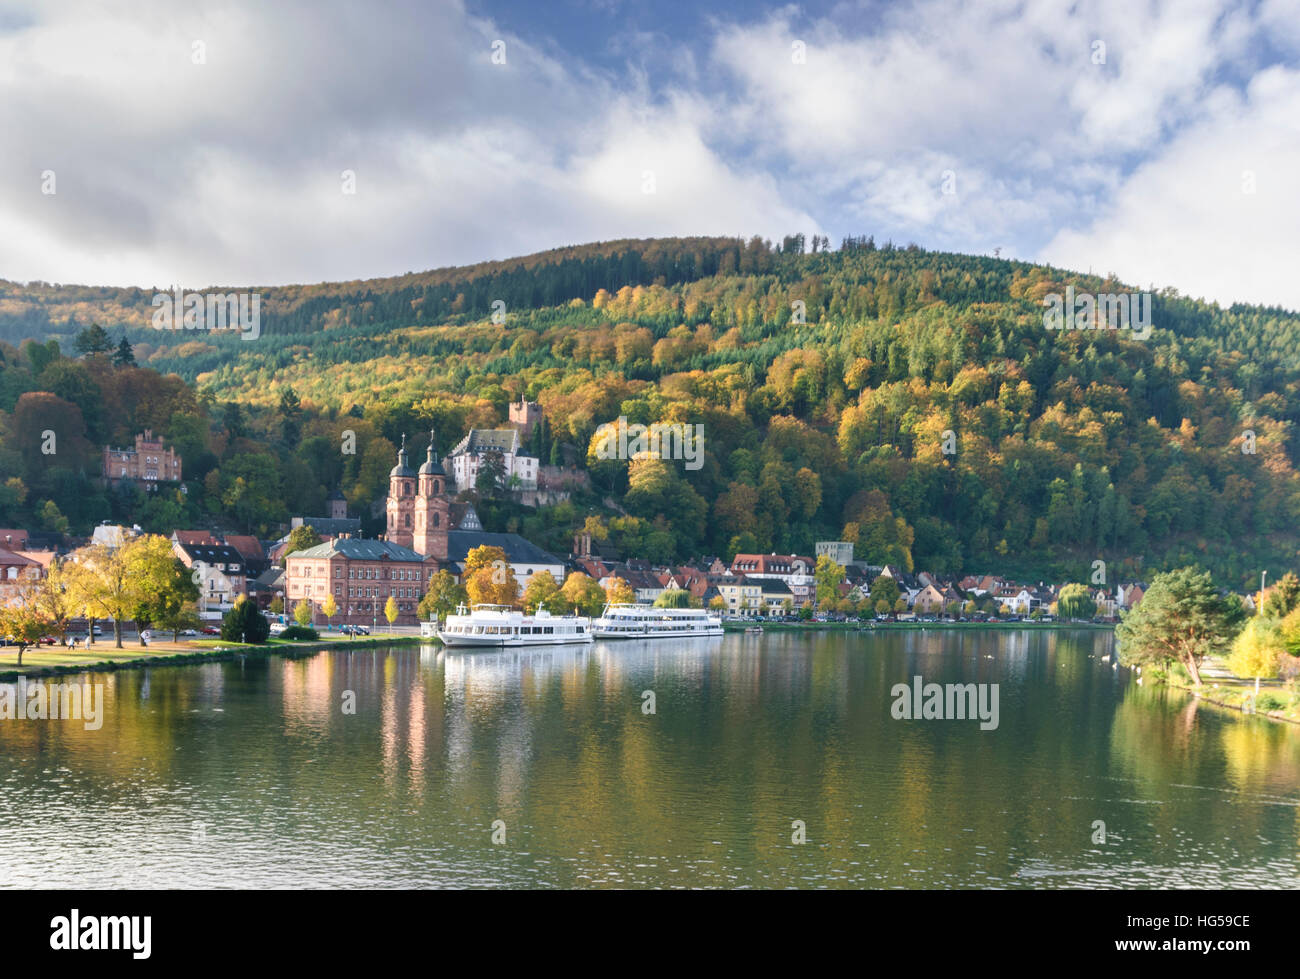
[58,660]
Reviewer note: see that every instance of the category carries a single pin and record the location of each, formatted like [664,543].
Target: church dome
[403,468]
[432,467]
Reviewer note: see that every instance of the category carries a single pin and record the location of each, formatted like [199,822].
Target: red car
[211,630]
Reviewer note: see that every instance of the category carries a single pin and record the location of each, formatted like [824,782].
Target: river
[769,760]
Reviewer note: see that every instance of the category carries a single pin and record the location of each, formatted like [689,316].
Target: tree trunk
[1193,669]
[21,650]
[117,632]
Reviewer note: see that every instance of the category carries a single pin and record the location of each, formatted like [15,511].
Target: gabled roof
[12,559]
[332,526]
[247,545]
[360,550]
[213,553]
[194,537]
[487,440]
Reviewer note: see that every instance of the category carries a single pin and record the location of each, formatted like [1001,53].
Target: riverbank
[47,661]
[914,626]
[1222,689]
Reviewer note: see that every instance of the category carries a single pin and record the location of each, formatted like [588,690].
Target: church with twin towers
[423,516]
[419,505]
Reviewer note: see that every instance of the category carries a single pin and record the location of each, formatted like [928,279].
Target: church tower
[432,508]
[401,500]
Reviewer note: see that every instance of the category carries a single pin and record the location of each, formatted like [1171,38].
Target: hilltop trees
[911,403]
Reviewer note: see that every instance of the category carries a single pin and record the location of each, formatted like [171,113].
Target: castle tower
[525,416]
[338,506]
[401,500]
[432,508]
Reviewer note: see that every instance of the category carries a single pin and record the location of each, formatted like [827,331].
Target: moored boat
[502,626]
[625,621]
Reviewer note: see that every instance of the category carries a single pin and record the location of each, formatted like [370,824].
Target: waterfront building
[361,575]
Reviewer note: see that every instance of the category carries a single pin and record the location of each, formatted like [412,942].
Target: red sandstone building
[147,463]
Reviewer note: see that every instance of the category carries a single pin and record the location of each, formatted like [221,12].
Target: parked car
[211,630]
[277,628]
[356,630]
[189,632]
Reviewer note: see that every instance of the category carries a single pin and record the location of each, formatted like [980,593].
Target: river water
[746,761]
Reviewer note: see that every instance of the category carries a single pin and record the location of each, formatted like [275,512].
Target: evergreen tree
[124,356]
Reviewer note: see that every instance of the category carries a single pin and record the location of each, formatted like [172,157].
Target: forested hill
[825,381]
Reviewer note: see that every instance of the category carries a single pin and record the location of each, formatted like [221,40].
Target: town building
[222,575]
[147,464]
[361,575]
[743,596]
[795,571]
[17,570]
[839,551]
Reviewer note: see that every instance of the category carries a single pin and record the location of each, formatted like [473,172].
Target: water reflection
[389,768]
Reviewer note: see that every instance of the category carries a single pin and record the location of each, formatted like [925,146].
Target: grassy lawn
[38,658]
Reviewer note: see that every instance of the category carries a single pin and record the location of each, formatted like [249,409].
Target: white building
[468,455]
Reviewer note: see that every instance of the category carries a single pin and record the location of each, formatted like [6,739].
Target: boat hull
[651,634]
[510,642]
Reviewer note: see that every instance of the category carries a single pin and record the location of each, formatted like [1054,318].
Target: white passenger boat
[623,621]
[501,625]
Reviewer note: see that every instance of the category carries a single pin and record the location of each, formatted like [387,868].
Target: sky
[251,143]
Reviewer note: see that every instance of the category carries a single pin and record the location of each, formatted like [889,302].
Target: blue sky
[206,143]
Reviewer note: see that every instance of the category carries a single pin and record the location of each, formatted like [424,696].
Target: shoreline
[905,626]
[291,650]
[1199,694]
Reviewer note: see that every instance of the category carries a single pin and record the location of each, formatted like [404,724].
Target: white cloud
[229,172]
[1185,218]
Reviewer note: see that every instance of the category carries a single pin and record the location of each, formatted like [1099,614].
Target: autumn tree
[22,620]
[619,592]
[542,592]
[1256,650]
[489,578]
[443,597]
[115,582]
[580,592]
[1182,619]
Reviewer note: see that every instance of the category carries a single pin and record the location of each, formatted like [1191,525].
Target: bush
[1267,701]
[299,632]
[244,623]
